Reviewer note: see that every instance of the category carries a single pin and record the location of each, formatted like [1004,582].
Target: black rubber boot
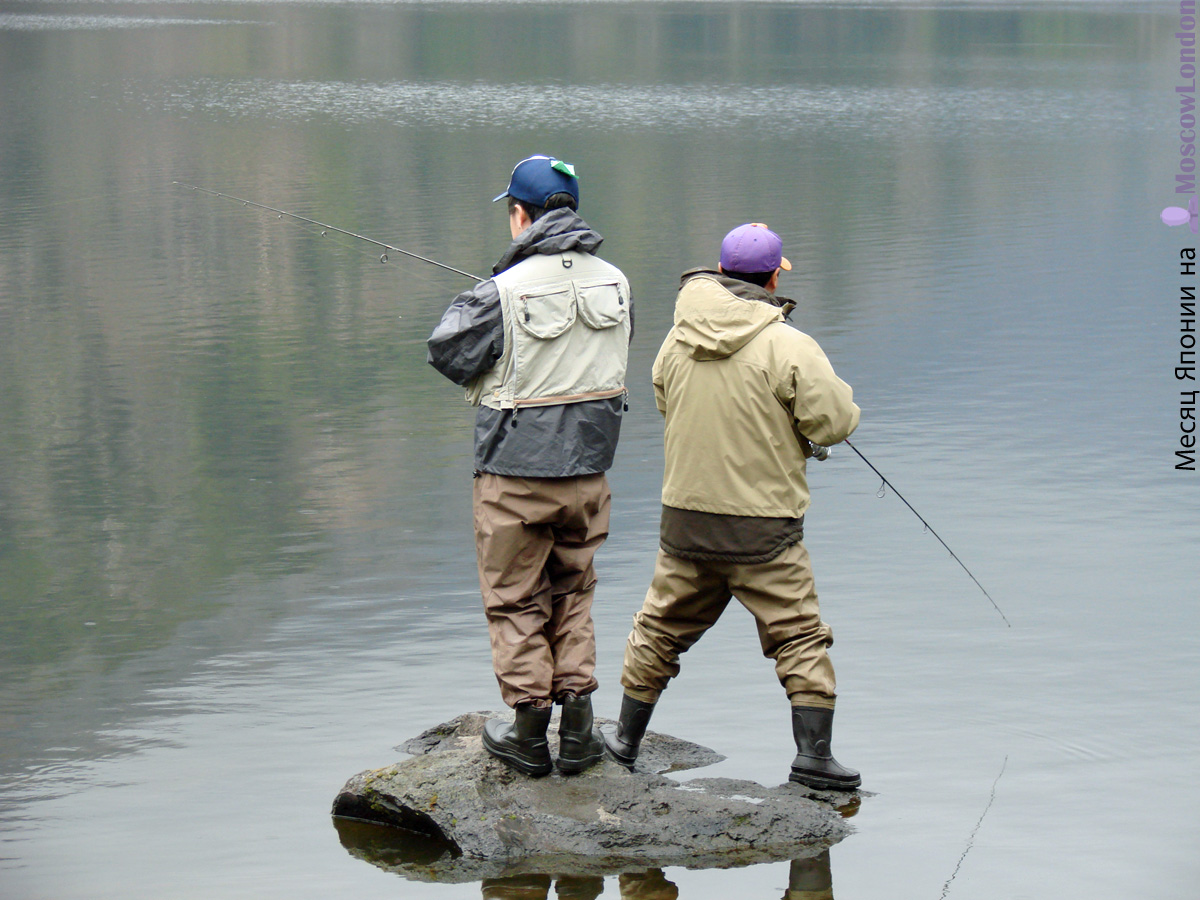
[579,743]
[814,765]
[522,742]
[623,744]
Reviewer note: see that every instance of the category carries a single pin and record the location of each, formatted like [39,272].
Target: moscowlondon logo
[1185,178]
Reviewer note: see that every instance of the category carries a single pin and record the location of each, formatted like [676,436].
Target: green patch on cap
[566,168]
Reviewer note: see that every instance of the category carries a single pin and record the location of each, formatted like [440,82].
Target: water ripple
[784,110]
[46,22]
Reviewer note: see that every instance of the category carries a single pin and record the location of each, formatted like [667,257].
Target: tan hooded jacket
[743,393]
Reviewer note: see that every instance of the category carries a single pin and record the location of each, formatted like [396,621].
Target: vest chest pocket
[547,312]
[602,304]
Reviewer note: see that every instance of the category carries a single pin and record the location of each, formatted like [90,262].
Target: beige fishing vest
[566,333]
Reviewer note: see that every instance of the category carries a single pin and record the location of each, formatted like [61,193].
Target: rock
[474,817]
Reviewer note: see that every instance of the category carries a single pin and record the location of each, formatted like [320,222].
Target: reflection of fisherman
[810,879]
[537,887]
[650,884]
[541,349]
[743,394]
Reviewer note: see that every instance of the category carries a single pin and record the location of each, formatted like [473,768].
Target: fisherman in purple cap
[746,399]
[540,348]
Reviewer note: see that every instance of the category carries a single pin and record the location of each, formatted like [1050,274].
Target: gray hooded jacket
[557,441]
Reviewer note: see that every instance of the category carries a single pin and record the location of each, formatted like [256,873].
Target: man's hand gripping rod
[322,225]
[820,453]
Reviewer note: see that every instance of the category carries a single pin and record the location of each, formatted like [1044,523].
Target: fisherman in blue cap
[541,350]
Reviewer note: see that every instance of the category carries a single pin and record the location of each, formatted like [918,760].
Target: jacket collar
[557,231]
[742,289]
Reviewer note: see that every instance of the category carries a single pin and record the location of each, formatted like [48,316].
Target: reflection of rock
[486,821]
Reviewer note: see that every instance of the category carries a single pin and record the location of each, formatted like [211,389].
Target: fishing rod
[327,228]
[819,452]
[928,527]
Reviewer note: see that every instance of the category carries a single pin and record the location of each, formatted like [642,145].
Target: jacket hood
[715,316]
[556,232]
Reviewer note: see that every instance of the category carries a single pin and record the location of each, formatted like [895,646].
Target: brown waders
[535,541]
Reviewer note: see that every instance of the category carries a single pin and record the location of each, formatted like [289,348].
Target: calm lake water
[236,560]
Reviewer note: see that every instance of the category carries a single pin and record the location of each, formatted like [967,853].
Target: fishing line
[928,528]
[974,831]
[326,228]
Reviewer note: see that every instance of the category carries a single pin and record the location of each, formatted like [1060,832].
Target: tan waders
[686,598]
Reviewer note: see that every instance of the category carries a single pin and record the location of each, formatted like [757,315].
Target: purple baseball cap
[536,179]
[753,248]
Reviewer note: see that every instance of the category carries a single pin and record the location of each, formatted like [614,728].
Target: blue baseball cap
[536,179]
[753,248]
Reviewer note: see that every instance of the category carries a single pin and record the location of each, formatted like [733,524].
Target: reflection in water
[649,885]
[777,110]
[391,848]
[810,879]
[419,857]
[44,22]
[849,809]
[537,887]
